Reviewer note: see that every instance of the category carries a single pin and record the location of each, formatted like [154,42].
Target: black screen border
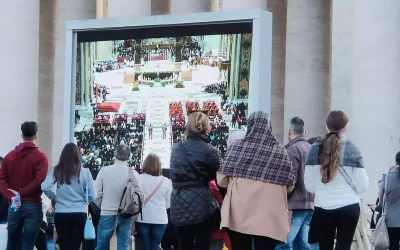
[197,29]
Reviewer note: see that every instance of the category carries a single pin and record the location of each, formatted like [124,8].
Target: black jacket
[192,200]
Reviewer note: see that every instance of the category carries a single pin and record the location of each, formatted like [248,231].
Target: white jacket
[336,193]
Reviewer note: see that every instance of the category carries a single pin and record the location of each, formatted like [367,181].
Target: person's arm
[41,171]
[294,159]
[214,161]
[309,178]
[361,180]
[99,188]
[91,189]
[48,184]
[4,175]
[168,193]
[223,180]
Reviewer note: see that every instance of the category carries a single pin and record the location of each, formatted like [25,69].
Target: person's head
[398,158]
[69,165]
[336,123]
[313,139]
[122,153]
[1,160]
[29,131]
[296,128]
[152,165]
[198,122]
[259,122]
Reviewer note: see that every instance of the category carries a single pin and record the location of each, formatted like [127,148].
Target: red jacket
[23,170]
[219,234]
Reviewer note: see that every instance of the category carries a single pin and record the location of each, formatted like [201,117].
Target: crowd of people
[313,185]
[219,89]
[97,145]
[106,65]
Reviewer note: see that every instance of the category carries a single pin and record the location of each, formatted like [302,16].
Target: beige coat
[255,208]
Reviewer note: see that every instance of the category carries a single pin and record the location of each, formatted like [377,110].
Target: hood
[25,148]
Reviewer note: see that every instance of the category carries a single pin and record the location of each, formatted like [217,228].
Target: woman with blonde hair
[258,175]
[335,173]
[194,163]
[157,190]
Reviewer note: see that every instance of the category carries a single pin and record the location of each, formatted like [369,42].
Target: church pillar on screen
[65,10]
[188,6]
[307,90]
[375,119]
[128,8]
[230,5]
[19,43]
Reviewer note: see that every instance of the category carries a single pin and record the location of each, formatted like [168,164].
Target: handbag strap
[384,193]
[87,195]
[154,191]
[342,171]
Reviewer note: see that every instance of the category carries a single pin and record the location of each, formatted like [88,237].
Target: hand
[18,204]
[372,207]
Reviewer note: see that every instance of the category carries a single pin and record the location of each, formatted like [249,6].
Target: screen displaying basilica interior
[141,91]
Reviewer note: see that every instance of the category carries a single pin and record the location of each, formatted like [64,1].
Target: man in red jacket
[23,170]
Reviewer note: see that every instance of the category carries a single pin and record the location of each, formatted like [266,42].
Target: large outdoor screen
[138,87]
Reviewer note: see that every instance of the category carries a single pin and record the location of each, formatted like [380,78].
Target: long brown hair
[335,122]
[70,164]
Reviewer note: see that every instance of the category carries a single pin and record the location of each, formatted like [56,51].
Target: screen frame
[260,65]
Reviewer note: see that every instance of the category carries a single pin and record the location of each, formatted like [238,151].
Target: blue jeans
[27,219]
[150,235]
[297,238]
[106,230]
[314,246]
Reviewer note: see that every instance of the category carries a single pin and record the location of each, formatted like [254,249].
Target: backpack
[132,198]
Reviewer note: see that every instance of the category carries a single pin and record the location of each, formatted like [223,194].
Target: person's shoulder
[313,153]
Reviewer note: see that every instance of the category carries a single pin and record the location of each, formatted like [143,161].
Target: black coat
[192,201]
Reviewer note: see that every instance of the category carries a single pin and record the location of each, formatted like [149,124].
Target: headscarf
[258,156]
[235,135]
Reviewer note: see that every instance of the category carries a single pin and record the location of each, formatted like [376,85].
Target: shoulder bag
[380,237]
[89,231]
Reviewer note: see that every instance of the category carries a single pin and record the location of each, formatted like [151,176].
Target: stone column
[101,8]
[374,124]
[231,5]
[278,9]
[188,6]
[215,5]
[307,90]
[19,44]
[66,10]
[46,75]
[160,7]
[128,8]
[342,54]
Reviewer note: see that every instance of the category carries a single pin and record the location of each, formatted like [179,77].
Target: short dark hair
[398,158]
[29,130]
[297,125]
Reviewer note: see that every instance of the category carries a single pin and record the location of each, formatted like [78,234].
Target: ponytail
[330,157]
